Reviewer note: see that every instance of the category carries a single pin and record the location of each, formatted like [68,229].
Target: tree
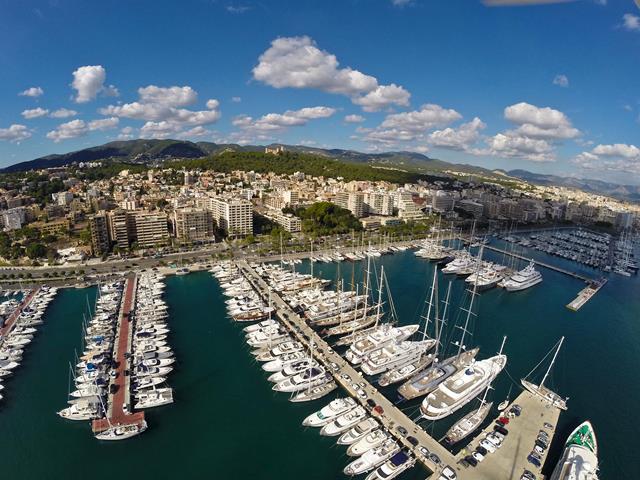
[36,250]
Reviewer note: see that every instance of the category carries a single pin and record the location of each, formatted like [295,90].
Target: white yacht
[307,379]
[329,412]
[122,432]
[393,467]
[372,458]
[461,388]
[344,422]
[378,338]
[282,361]
[526,278]
[369,441]
[154,398]
[580,458]
[396,354]
[361,429]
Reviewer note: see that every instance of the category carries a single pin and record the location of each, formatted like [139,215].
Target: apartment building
[151,229]
[99,228]
[193,225]
[233,215]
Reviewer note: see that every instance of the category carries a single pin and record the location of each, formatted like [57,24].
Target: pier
[119,402]
[510,460]
[11,320]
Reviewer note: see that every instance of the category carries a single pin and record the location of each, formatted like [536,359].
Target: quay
[510,460]
[542,264]
[11,320]
[119,409]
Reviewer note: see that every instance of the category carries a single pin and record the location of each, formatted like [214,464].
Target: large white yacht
[372,458]
[396,354]
[329,412]
[525,278]
[580,458]
[376,339]
[461,388]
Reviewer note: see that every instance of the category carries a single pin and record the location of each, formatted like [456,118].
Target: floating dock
[585,294]
[119,409]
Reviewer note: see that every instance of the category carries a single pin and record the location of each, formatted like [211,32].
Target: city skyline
[390,75]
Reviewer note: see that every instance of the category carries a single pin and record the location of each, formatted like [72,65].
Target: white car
[490,447]
[478,456]
[448,474]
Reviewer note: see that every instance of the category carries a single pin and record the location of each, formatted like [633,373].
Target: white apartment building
[233,215]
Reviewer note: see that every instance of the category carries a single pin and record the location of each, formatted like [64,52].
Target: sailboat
[505,403]
[542,391]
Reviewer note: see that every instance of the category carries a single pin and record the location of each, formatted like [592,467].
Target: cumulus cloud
[546,123]
[561,80]
[33,92]
[354,119]
[297,62]
[514,146]
[126,133]
[631,22]
[461,138]
[162,108]
[63,113]
[88,82]
[34,113]
[410,126]
[15,133]
[618,157]
[79,128]
[278,122]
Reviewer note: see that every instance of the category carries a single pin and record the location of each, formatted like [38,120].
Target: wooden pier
[11,320]
[119,409]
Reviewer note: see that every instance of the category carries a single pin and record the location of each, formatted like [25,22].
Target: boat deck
[510,460]
[120,402]
[11,320]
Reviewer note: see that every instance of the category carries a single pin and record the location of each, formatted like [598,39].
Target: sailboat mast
[379,295]
[426,320]
[555,355]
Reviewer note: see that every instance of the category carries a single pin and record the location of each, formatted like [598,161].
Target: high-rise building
[99,228]
[355,203]
[234,215]
[193,225]
[378,203]
[152,229]
[122,227]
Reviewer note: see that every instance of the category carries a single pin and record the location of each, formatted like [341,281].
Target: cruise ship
[580,458]
[526,278]
[461,388]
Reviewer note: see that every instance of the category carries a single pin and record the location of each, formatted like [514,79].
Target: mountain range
[153,151]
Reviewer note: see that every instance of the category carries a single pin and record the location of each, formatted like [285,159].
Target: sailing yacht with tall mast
[542,391]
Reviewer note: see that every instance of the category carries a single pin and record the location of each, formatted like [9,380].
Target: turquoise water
[227,423]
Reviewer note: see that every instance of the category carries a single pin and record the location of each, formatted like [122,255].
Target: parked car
[471,460]
[487,445]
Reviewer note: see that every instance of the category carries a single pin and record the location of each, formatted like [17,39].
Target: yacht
[393,467]
[378,338]
[307,379]
[344,422]
[396,354]
[292,369]
[467,424]
[372,458]
[329,412]
[459,389]
[369,441]
[314,393]
[154,398]
[360,430]
[403,372]
[283,360]
[122,432]
[580,458]
[528,277]
[428,380]
[84,410]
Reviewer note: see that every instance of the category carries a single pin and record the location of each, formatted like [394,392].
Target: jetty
[586,294]
[11,320]
[119,399]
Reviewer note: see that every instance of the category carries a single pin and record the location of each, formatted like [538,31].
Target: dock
[577,275]
[119,403]
[11,320]
[586,294]
[510,460]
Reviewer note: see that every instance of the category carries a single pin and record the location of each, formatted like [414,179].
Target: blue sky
[549,88]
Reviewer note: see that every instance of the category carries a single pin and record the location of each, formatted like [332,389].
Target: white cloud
[198,131]
[541,123]
[88,82]
[618,157]
[79,128]
[34,113]
[104,123]
[460,138]
[68,130]
[631,22]
[278,122]
[15,133]
[561,80]
[513,146]
[162,110]
[297,62]
[354,119]
[126,133]
[410,126]
[238,8]
[236,99]
[63,113]
[33,92]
